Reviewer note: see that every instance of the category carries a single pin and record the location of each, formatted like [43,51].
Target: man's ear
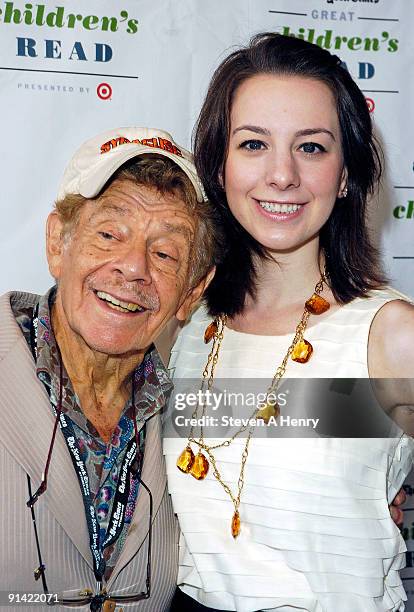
[194,295]
[54,243]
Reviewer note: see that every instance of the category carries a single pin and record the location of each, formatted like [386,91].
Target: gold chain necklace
[300,350]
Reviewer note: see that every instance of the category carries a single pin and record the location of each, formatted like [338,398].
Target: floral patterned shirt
[102,460]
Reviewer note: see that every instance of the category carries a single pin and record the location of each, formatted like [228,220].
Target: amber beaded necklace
[300,350]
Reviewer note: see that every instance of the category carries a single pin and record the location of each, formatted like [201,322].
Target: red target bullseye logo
[371,104]
[104,91]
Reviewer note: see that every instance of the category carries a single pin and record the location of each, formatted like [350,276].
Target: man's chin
[113,346]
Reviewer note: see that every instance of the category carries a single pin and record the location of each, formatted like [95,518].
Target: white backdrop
[72,69]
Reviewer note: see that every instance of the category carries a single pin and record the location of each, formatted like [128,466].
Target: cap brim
[92,185]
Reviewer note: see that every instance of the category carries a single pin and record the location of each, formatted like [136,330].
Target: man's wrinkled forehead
[107,208]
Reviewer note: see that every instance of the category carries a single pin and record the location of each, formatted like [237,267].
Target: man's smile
[119,305]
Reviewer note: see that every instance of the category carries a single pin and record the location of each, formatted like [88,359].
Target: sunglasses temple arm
[39,571]
[43,485]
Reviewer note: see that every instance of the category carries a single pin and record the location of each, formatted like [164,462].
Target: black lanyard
[117,517]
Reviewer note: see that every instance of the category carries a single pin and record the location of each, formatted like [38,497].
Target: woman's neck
[283,286]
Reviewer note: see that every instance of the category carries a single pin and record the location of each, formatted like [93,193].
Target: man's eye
[106,235]
[312,147]
[163,255]
[252,145]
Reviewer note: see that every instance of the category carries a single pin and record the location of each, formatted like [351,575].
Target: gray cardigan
[26,423]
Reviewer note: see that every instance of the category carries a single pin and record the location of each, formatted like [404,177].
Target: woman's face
[284,168]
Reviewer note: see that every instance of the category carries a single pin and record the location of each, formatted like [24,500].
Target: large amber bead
[211,330]
[317,305]
[185,460]
[200,466]
[235,525]
[268,411]
[302,351]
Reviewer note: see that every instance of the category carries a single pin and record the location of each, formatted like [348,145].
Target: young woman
[284,146]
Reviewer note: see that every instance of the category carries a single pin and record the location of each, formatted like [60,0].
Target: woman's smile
[279,211]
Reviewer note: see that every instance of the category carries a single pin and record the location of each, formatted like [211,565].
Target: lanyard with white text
[120,501]
[117,518]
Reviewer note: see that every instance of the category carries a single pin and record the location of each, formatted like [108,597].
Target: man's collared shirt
[102,460]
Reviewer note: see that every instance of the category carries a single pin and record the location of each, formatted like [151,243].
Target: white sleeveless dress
[316,529]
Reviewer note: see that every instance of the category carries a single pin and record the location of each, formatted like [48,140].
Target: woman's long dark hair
[352,262]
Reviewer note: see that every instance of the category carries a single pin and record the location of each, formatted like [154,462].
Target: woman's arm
[391,356]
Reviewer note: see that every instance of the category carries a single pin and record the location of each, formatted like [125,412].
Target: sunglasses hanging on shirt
[131,465]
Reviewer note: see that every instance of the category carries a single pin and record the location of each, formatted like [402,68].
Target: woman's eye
[252,145]
[312,147]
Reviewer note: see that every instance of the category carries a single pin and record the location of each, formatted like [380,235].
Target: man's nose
[134,265]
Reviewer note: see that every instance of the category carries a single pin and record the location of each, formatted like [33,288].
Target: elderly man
[130,244]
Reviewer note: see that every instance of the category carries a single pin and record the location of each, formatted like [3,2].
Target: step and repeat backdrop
[69,70]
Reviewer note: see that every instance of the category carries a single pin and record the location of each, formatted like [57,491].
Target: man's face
[123,273]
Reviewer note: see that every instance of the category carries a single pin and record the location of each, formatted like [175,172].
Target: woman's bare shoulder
[391,341]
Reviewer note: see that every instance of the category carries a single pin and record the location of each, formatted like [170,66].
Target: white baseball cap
[98,158]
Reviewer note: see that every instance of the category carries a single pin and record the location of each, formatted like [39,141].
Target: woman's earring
[344,192]
[220,178]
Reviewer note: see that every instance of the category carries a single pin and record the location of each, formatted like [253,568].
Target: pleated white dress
[316,529]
